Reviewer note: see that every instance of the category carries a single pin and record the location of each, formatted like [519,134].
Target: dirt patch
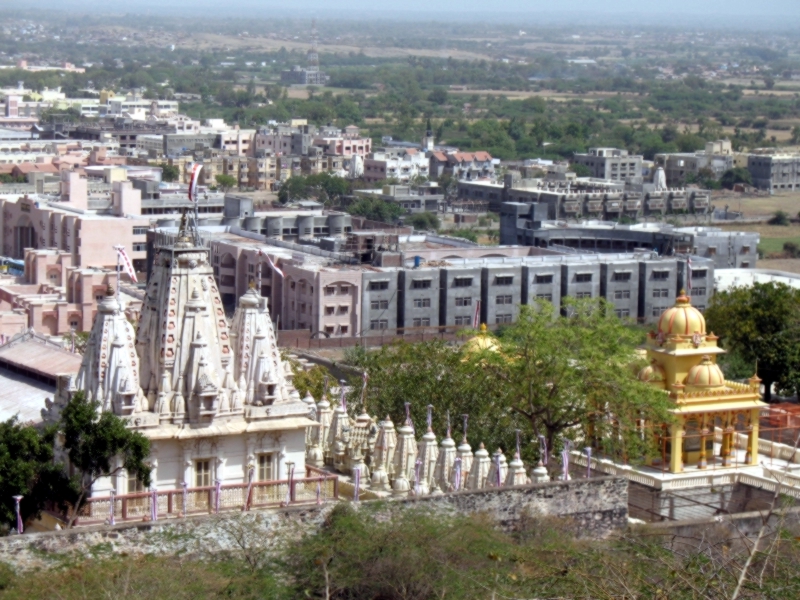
[790,265]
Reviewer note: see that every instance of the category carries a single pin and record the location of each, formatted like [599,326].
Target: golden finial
[483,328]
[252,285]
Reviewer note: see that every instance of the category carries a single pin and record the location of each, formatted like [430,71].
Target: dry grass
[791,265]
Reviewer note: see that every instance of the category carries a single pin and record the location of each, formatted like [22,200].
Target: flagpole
[119,267]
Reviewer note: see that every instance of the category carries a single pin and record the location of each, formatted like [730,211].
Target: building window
[345,289]
[343,310]
[139,247]
[700,307]
[660,275]
[463,320]
[329,310]
[422,302]
[699,291]
[622,294]
[581,295]
[660,293]
[420,284]
[379,324]
[329,329]
[657,310]
[140,231]
[464,301]
[544,279]
[422,322]
[548,297]
[583,277]
[292,285]
[462,282]
[505,299]
[622,313]
[503,280]
[330,290]
[134,485]
[502,318]
[378,285]
[745,265]
[379,304]
[343,329]
[202,473]
[699,273]
[265,468]
[622,277]
[251,268]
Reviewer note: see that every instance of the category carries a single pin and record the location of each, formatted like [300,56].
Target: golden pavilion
[683,362]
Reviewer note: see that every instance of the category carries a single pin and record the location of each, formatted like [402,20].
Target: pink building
[70,226]
[54,297]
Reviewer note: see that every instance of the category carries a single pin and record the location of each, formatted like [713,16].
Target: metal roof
[22,396]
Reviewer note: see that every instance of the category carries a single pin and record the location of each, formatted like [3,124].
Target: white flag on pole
[272,265]
[193,181]
[126,262]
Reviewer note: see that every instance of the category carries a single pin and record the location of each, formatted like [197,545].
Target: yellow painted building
[683,362]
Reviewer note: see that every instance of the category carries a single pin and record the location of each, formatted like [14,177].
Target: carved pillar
[702,463]
[752,438]
[676,456]
[727,438]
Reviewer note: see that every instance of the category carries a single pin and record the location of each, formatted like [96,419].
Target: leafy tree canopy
[761,323]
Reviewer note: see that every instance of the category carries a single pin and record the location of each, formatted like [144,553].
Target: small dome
[706,374]
[652,373]
[682,319]
[482,342]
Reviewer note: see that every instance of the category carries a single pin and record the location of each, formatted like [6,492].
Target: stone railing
[203,500]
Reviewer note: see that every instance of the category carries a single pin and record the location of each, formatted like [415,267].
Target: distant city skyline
[623,12]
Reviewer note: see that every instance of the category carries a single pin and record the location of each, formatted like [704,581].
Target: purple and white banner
[543,449]
[153,504]
[457,474]
[17,499]
[588,450]
[250,473]
[356,485]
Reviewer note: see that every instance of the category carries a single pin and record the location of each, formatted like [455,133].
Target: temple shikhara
[683,357]
[216,401]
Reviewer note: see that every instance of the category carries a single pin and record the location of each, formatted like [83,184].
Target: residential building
[461,165]
[611,163]
[717,157]
[401,164]
[527,224]
[426,197]
[774,172]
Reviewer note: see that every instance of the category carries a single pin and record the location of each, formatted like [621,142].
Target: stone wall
[596,507]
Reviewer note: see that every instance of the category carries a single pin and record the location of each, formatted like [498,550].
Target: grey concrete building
[459,294]
[774,172]
[418,297]
[501,292]
[523,224]
[379,302]
[612,163]
[427,197]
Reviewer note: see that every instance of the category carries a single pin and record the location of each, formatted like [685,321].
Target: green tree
[780,217]
[376,209]
[294,188]
[225,182]
[100,445]
[736,175]
[557,376]
[424,221]
[27,468]
[761,323]
[580,170]
[169,172]
[438,96]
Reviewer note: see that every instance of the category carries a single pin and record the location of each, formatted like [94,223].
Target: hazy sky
[742,13]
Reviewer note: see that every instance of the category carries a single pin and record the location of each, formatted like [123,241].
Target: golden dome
[706,374]
[482,342]
[682,319]
[653,373]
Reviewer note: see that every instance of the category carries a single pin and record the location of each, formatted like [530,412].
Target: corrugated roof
[35,357]
[22,396]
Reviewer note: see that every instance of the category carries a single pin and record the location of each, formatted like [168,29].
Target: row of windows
[331,329]
[341,310]
[330,290]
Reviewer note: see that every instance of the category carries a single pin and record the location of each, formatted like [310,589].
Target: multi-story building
[401,164]
[527,224]
[461,165]
[426,197]
[774,172]
[717,157]
[611,163]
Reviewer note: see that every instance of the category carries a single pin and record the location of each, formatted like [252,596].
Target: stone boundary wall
[596,508]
